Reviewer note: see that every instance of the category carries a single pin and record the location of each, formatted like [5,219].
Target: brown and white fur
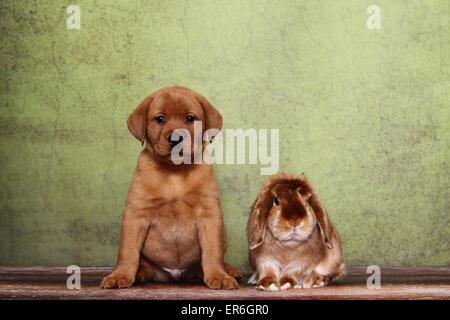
[292,241]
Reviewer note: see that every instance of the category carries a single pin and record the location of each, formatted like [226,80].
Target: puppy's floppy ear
[256,227]
[213,119]
[137,121]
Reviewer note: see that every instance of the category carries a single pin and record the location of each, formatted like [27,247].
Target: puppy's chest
[174,219]
[179,200]
[176,186]
[175,208]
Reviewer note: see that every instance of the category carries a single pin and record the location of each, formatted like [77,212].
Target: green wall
[365,113]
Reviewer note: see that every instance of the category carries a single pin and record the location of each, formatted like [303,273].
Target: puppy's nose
[174,142]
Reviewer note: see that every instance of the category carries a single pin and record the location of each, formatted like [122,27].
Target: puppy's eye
[160,119]
[190,118]
[276,201]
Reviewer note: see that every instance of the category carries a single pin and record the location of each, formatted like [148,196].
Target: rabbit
[292,242]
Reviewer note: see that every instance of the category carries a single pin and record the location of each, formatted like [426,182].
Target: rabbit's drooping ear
[307,191]
[322,219]
[256,227]
[137,121]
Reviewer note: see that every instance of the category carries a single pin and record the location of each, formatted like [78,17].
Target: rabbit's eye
[276,201]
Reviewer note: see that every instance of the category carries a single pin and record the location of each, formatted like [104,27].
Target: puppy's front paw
[268,284]
[116,280]
[232,271]
[221,281]
[143,274]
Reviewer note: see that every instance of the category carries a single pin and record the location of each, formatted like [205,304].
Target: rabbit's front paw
[287,283]
[268,284]
[314,280]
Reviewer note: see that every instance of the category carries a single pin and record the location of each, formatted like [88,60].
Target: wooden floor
[50,283]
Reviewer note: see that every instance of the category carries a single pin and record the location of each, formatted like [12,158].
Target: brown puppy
[172,224]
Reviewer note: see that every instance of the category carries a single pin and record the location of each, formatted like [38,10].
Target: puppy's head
[170,110]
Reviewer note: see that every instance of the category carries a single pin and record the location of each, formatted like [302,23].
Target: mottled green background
[366,114]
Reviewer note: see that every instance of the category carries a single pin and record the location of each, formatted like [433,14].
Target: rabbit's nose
[297,226]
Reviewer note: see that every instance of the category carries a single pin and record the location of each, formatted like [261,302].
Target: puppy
[172,225]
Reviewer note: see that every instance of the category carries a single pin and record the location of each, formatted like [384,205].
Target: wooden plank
[353,273]
[51,270]
[50,283]
[192,291]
